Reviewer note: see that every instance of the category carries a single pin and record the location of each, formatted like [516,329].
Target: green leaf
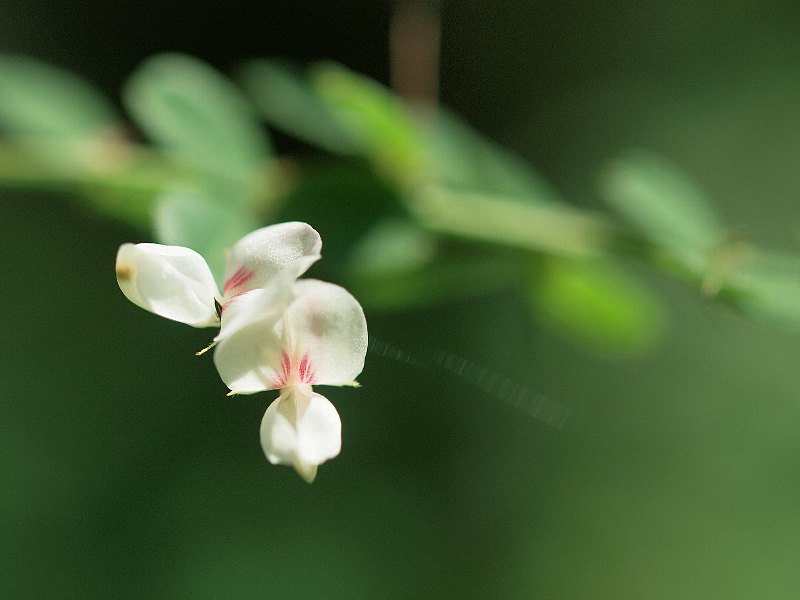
[665,204]
[460,157]
[767,285]
[342,198]
[64,124]
[375,118]
[288,103]
[197,114]
[130,192]
[392,245]
[596,306]
[185,218]
[430,284]
[41,100]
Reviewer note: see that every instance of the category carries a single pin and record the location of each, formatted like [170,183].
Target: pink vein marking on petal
[238,279]
[281,379]
[286,363]
[231,299]
[311,376]
[305,371]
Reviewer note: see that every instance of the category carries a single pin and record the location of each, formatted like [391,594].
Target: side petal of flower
[301,428]
[262,304]
[170,281]
[262,254]
[249,360]
[249,355]
[326,331]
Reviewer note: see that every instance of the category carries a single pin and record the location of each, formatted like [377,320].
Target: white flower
[276,333]
[321,339]
[176,282]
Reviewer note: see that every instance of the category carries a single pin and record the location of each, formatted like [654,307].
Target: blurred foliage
[197,115]
[288,102]
[217,179]
[669,210]
[674,477]
[599,305]
[380,123]
[207,226]
[45,102]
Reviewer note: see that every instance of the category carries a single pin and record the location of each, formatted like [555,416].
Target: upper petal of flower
[325,334]
[264,253]
[301,428]
[170,281]
[321,338]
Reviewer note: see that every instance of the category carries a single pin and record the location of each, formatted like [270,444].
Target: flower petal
[321,338]
[170,281]
[267,303]
[248,355]
[249,360]
[326,333]
[301,428]
[262,254]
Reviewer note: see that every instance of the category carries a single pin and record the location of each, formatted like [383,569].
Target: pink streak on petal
[305,371]
[279,380]
[238,279]
[302,368]
[232,298]
[286,363]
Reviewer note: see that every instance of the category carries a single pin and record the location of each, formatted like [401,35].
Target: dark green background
[126,472]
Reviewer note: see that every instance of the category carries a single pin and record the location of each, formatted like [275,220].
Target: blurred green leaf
[192,110]
[63,123]
[188,219]
[287,102]
[122,183]
[596,305]
[431,284]
[375,118]
[767,285]
[130,192]
[460,157]
[392,245]
[661,200]
[41,100]
[124,205]
[341,199]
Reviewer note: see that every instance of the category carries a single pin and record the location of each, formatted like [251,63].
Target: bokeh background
[125,471]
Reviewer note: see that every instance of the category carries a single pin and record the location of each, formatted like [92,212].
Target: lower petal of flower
[302,429]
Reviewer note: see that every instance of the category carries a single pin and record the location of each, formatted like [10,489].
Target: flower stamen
[206,349]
